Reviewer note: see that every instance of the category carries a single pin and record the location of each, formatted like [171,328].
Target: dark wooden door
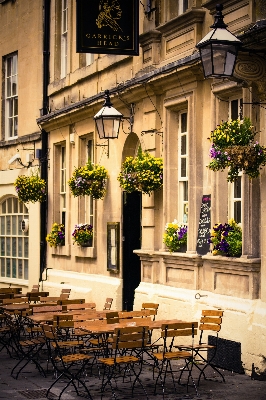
[131,241]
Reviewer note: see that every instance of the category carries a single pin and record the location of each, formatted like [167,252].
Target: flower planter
[233,147]
[88,243]
[89,180]
[143,173]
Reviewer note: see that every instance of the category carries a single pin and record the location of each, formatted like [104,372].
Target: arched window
[14,242]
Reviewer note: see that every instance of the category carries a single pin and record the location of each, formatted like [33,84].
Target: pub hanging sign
[108,26]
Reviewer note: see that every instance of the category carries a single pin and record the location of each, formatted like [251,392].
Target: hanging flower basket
[233,147]
[83,234]
[175,237]
[30,188]
[227,239]
[89,180]
[143,173]
[57,235]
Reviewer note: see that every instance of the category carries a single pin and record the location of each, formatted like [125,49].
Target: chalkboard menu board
[203,246]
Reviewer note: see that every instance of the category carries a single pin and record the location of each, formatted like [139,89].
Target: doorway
[131,241]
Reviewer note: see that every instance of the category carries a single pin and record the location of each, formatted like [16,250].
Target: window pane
[183,145]
[3,225]
[184,122]
[237,188]
[14,247]
[14,268]
[3,269]
[26,247]
[4,207]
[8,269]
[20,269]
[14,225]
[183,167]
[26,269]
[8,225]
[20,247]
[2,246]
[234,109]
[9,205]
[237,211]
[15,206]
[8,244]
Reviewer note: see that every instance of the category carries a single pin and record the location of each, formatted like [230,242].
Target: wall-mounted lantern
[219,48]
[108,120]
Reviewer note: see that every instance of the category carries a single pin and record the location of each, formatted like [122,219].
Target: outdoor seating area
[70,342]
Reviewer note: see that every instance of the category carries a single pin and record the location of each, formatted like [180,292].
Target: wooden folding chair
[70,301]
[163,361]
[108,303]
[123,364]
[210,322]
[69,366]
[153,307]
[27,349]
[65,293]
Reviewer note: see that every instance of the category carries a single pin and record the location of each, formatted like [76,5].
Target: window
[63,185]
[11,96]
[183,168]
[235,188]
[64,31]
[86,212]
[14,243]
[183,6]
[89,58]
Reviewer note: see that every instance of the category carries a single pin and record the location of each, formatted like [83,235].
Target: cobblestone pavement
[31,385]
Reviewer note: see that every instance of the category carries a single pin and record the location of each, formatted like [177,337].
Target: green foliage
[57,235]
[89,180]
[82,233]
[233,147]
[227,239]
[143,173]
[30,188]
[175,236]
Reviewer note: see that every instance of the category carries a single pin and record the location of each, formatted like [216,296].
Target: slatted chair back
[89,316]
[63,321]
[131,337]
[70,301]
[108,303]
[44,309]
[49,299]
[11,290]
[82,306]
[112,317]
[6,296]
[16,300]
[153,307]
[65,293]
[211,320]
[35,288]
[133,314]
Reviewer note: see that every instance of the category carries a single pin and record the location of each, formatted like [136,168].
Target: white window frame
[232,198]
[89,59]
[11,97]
[182,6]
[14,244]
[183,178]
[64,35]
[63,184]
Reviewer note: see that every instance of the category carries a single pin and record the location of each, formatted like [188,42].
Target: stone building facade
[172,105]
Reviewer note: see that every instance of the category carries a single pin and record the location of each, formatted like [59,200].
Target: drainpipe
[44,134]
